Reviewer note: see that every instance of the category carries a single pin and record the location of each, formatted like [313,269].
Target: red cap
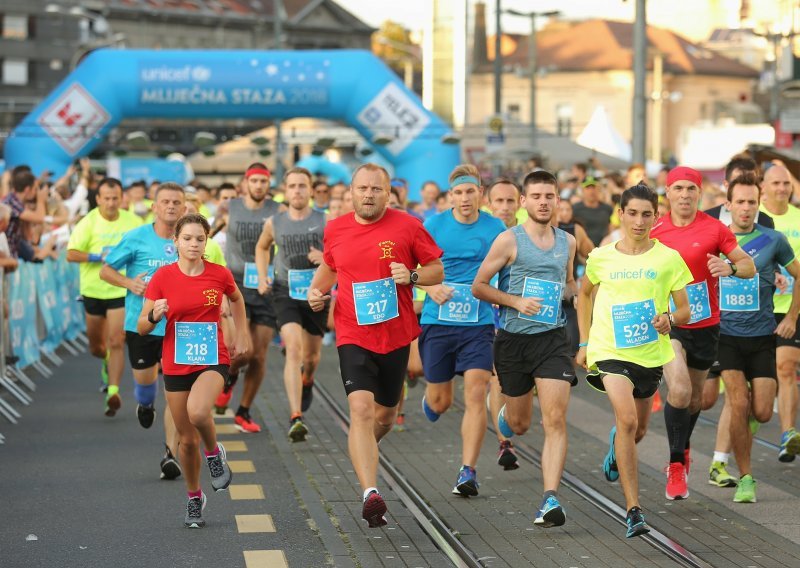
[684,173]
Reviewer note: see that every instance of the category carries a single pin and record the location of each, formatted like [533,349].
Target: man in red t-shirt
[376,255]
[699,238]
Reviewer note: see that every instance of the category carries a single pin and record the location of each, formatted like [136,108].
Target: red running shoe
[676,482]
[246,424]
[374,510]
[221,404]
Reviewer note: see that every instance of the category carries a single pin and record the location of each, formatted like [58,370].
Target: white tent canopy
[600,135]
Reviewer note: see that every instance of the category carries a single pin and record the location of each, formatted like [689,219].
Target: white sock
[369,490]
[721,457]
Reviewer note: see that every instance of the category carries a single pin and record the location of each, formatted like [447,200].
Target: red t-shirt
[190,299]
[705,235]
[363,253]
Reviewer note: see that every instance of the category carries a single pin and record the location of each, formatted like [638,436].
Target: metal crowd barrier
[44,315]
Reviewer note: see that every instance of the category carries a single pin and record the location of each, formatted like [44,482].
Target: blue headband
[464,179]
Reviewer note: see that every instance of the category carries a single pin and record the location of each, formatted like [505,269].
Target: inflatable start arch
[348,85]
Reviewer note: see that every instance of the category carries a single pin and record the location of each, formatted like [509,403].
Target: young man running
[376,255]
[92,239]
[139,254]
[699,239]
[458,329]
[777,187]
[535,265]
[298,234]
[747,341]
[246,218]
[624,333]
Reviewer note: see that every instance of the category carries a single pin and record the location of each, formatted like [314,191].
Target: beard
[368,212]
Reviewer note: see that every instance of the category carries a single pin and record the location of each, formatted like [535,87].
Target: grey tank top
[244,228]
[533,262]
[294,239]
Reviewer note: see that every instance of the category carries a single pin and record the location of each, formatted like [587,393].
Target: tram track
[446,539]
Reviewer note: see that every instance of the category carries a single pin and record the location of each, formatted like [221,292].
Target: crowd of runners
[521,287]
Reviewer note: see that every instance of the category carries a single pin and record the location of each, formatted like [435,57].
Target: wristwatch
[413,276]
[733,266]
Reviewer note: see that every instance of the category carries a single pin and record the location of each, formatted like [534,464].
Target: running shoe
[308,395]
[676,482]
[220,471]
[374,510]
[754,425]
[244,423]
[550,514]
[610,462]
[223,400]
[790,446]
[298,431]
[400,423]
[113,403]
[746,492]
[428,411]
[194,512]
[636,523]
[170,468]
[687,460]
[467,483]
[412,379]
[104,375]
[502,425]
[718,475]
[507,457]
[146,414]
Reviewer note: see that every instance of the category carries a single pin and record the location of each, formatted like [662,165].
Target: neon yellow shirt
[789,225]
[624,280]
[144,209]
[214,253]
[94,234]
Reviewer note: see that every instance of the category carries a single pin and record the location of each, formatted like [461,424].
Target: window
[15,27]
[15,71]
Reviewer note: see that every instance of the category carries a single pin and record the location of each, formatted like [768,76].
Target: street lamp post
[639,77]
[532,63]
[278,31]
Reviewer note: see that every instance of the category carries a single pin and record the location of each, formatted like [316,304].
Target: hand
[137,285]
[400,273]
[242,344]
[580,357]
[528,306]
[315,256]
[661,324]
[787,327]
[160,309]
[42,193]
[317,299]
[440,293]
[718,267]
[781,282]
[86,166]
[265,285]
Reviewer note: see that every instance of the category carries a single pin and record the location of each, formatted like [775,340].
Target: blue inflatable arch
[352,86]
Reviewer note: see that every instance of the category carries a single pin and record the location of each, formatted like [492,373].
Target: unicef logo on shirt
[640,274]
[169,249]
[651,274]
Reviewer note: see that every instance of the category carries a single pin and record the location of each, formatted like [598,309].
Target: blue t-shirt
[465,246]
[770,250]
[141,250]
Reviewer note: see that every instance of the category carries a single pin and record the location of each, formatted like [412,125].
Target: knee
[362,411]
[98,349]
[293,352]
[627,423]
[189,442]
[439,402]
[311,361]
[518,425]
[710,396]
[554,422]
[116,341]
[680,396]
[385,419]
[739,403]
[787,371]
[641,430]
[198,416]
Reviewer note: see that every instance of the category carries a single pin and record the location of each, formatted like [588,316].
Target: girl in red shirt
[195,359]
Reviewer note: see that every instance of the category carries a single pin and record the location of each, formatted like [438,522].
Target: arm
[788,324]
[585,244]
[682,312]
[159,307]
[74,255]
[39,214]
[429,274]
[585,307]
[571,287]
[242,343]
[439,293]
[263,255]
[135,285]
[321,284]
[502,253]
[745,267]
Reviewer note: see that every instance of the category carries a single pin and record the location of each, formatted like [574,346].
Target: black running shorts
[184,383]
[289,310]
[700,345]
[144,351]
[521,357]
[754,356]
[645,380]
[792,341]
[381,374]
[258,308]
[98,307]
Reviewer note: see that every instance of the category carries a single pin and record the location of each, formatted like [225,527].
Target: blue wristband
[93,257]
[583,344]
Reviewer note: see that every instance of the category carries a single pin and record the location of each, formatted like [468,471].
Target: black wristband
[151,318]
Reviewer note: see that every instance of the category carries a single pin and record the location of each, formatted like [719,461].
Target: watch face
[414,276]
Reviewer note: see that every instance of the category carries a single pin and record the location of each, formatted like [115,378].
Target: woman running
[195,359]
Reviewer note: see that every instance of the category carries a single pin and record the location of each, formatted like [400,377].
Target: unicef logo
[169,249]
[651,274]
[201,73]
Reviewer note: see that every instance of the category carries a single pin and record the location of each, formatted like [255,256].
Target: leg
[262,337]
[361,439]
[553,400]
[496,401]
[439,396]
[519,410]
[738,395]
[787,360]
[198,406]
[291,333]
[384,420]
[762,396]
[710,393]
[96,334]
[620,394]
[473,425]
[676,410]
[171,434]
[312,353]
[189,439]
[115,320]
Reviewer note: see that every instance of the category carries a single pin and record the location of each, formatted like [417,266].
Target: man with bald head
[777,187]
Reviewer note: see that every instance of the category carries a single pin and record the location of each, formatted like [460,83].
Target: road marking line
[255,523]
[241,466]
[245,492]
[226,429]
[228,414]
[265,559]
[235,446]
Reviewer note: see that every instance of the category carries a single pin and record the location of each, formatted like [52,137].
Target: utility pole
[498,61]
[278,31]
[639,78]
